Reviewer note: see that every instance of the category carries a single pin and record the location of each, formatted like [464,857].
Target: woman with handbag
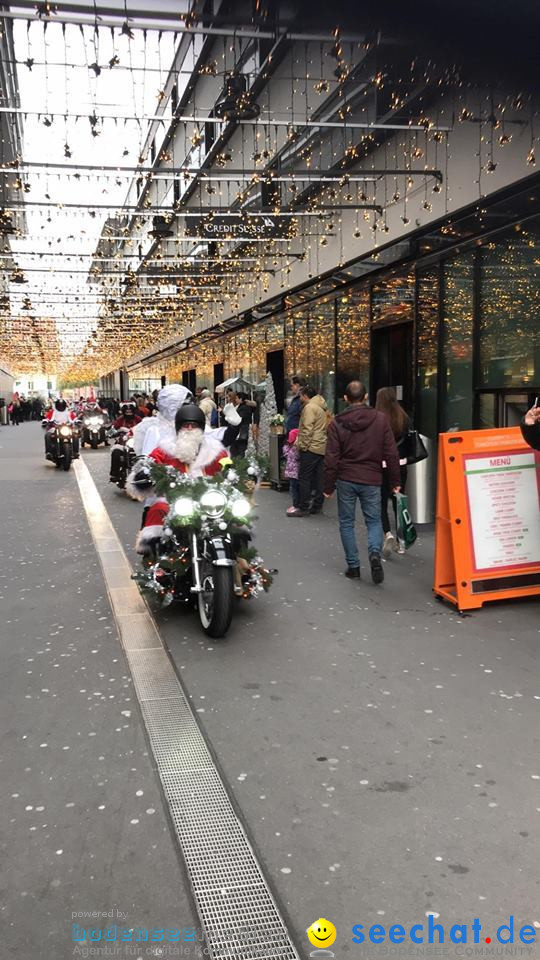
[400,425]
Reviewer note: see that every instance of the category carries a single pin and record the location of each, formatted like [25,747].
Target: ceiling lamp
[130,279]
[18,276]
[6,223]
[161,228]
[235,102]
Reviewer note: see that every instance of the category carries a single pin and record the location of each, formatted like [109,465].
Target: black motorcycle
[123,457]
[94,430]
[204,556]
[62,445]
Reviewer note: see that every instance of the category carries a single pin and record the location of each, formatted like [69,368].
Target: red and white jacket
[211,459]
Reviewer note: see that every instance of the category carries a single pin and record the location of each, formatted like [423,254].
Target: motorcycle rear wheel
[216,602]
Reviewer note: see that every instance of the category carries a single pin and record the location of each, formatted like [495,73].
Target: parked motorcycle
[94,430]
[123,456]
[62,447]
[204,555]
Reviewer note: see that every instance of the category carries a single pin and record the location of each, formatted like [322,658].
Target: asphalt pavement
[381,749]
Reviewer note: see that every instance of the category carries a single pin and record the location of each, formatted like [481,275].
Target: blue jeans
[370,501]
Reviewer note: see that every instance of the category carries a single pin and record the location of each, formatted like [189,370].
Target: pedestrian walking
[14,410]
[359,440]
[400,424]
[312,446]
[292,468]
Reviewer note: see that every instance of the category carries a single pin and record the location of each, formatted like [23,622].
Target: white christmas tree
[268,410]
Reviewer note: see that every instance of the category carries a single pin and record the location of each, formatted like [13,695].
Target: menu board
[503,492]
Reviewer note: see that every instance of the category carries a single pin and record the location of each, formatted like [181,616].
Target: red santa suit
[211,459]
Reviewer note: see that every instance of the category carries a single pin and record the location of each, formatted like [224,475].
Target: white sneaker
[400,547]
[389,544]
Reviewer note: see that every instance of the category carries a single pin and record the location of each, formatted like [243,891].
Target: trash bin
[277,480]
[4,414]
[420,488]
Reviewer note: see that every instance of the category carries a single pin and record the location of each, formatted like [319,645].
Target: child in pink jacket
[292,467]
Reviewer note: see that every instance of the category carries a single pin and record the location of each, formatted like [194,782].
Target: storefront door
[392,362]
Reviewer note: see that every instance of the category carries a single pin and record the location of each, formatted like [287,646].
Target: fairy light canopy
[172,164]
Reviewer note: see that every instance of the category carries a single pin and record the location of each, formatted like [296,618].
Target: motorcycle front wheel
[94,443]
[216,600]
[66,463]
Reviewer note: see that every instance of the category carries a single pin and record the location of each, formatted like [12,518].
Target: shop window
[320,369]
[457,333]
[427,331]
[352,340]
[509,331]
[393,300]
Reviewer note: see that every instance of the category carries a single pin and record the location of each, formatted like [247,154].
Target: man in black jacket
[530,427]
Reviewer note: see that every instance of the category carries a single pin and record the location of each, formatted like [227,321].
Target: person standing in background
[400,424]
[312,446]
[208,407]
[292,420]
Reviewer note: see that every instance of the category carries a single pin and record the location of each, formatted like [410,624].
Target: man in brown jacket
[312,445]
[359,439]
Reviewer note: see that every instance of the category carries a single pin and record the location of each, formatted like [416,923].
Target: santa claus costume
[151,430]
[194,452]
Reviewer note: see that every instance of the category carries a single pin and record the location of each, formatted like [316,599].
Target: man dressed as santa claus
[192,451]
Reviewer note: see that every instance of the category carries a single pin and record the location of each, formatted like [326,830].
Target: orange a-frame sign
[487,534]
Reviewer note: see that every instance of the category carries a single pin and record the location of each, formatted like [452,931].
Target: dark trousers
[238,448]
[311,480]
[294,487]
[16,416]
[386,493]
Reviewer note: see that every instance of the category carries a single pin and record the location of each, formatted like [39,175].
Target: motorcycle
[62,446]
[203,555]
[94,431]
[122,463]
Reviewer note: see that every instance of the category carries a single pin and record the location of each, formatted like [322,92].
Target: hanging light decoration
[235,102]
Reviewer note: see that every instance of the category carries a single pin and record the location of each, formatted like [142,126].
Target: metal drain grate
[239,915]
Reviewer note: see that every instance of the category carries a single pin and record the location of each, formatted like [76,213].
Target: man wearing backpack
[208,407]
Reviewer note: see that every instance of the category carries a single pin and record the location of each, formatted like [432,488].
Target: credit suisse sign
[227,226]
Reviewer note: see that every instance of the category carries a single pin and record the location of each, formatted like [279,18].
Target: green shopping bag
[406,529]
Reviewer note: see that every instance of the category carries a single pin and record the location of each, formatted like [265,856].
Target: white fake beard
[188,443]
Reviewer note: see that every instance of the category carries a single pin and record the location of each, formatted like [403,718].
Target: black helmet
[128,409]
[189,413]
[60,404]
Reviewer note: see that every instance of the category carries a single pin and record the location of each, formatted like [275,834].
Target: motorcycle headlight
[213,503]
[65,431]
[129,443]
[184,507]
[241,508]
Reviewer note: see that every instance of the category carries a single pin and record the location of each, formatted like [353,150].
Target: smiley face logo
[321,933]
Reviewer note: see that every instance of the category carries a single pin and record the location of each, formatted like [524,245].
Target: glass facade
[467,322]
[509,328]
[456,371]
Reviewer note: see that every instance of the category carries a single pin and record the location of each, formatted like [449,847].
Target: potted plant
[277,423]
